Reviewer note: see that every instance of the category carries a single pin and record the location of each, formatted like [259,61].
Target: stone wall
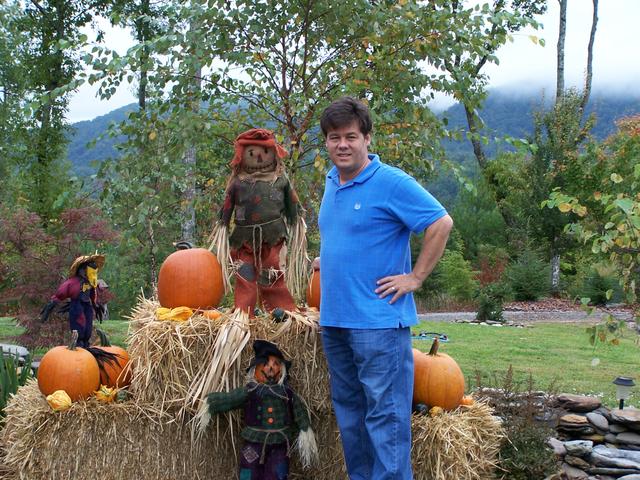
[594,442]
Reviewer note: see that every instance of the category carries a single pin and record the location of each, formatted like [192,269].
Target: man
[368,212]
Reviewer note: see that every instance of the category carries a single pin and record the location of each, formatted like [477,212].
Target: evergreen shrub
[529,276]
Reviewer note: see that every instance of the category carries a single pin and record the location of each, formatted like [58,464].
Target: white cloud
[524,66]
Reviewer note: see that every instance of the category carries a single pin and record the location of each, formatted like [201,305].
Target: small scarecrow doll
[81,289]
[267,225]
[273,416]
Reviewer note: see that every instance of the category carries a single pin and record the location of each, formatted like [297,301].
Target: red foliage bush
[491,266]
[34,260]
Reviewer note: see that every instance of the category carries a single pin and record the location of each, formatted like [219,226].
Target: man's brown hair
[343,112]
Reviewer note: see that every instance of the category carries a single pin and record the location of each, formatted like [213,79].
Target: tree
[34,260]
[492,23]
[53,28]
[607,216]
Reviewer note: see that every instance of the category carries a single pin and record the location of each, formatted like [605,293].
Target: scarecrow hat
[263,350]
[256,136]
[96,257]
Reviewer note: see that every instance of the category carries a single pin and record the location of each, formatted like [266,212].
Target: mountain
[82,156]
[503,113]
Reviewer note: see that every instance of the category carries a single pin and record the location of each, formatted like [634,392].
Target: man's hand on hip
[397,285]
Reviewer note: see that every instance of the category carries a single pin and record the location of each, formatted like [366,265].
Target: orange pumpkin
[437,379]
[69,368]
[118,372]
[211,314]
[467,400]
[270,371]
[190,278]
[313,290]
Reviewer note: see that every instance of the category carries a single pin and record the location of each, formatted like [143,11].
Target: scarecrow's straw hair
[111,441]
[219,245]
[458,445]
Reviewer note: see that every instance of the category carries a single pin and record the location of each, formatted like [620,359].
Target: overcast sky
[524,66]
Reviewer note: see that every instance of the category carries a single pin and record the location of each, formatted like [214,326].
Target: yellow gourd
[178,314]
[105,394]
[59,400]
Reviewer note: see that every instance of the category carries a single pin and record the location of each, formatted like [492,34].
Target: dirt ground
[546,310]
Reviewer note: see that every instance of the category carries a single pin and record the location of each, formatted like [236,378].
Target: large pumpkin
[313,290]
[190,278]
[437,379]
[116,373]
[69,368]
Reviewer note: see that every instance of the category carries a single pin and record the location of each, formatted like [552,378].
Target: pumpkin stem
[104,340]
[434,346]
[74,340]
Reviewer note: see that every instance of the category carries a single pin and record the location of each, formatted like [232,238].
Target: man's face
[348,149]
[258,159]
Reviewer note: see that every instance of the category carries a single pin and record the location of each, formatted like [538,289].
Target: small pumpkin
[467,401]
[59,400]
[105,394]
[437,379]
[191,277]
[69,368]
[313,290]
[116,373]
[211,314]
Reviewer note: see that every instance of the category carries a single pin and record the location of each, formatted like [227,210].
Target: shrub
[456,277]
[492,262]
[12,376]
[527,418]
[526,454]
[599,280]
[490,299]
[528,277]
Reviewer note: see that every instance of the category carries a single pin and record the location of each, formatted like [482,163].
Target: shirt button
[270,409]
[270,420]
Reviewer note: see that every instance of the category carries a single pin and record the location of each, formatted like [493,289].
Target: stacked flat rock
[596,443]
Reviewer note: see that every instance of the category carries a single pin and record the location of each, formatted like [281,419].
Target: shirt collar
[363,176]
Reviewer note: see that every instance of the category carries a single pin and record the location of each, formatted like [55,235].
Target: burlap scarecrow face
[256,158]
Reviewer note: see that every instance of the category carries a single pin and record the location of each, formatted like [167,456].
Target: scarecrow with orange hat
[81,289]
[266,217]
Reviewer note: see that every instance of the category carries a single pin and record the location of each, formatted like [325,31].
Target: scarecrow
[273,415]
[265,209]
[81,289]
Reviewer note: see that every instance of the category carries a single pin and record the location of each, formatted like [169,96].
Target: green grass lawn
[116,331]
[558,357]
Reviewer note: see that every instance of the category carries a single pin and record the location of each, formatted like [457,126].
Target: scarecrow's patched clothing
[81,309]
[273,414]
[260,209]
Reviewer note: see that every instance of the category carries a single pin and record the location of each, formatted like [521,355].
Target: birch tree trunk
[562,35]
[589,76]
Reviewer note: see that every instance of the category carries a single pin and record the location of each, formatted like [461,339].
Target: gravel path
[529,316]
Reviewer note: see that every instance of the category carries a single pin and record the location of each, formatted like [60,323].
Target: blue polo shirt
[365,226]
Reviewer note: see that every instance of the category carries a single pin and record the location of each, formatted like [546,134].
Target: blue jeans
[371,378]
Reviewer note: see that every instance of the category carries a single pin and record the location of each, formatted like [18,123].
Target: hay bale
[110,441]
[458,445]
[176,363]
